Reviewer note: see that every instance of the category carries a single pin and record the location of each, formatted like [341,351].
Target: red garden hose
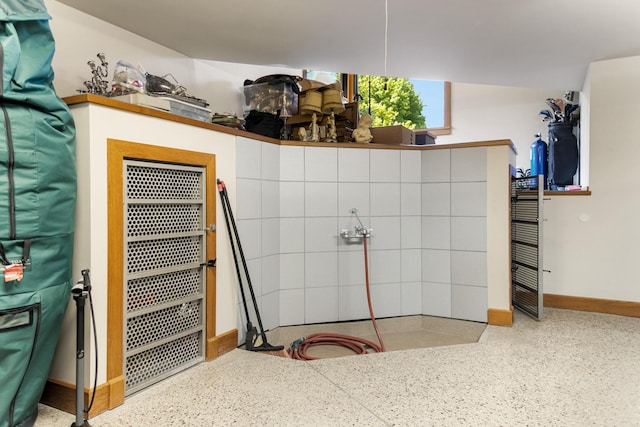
[298,349]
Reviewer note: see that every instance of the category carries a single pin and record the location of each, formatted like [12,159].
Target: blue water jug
[539,155]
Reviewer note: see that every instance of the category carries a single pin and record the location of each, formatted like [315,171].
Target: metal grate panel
[526,255]
[524,232]
[148,367]
[156,183]
[164,216]
[162,253]
[151,291]
[526,247]
[158,325]
[149,220]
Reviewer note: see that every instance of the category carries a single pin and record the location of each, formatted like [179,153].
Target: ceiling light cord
[386,35]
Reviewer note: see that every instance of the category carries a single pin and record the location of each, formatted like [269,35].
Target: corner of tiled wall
[425,209]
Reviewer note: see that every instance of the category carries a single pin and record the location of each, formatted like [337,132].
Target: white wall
[481,112]
[591,242]
[79,37]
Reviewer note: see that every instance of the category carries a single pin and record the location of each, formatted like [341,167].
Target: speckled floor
[572,369]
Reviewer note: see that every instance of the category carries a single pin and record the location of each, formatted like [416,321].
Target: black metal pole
[244,262]
[79,293]
[265,346]
[250,338]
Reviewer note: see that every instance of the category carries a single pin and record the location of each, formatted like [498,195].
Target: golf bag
[563,154]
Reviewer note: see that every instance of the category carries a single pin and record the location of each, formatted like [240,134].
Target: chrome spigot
[363,232]
[360,231]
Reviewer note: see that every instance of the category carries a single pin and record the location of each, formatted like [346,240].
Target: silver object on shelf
[98,85]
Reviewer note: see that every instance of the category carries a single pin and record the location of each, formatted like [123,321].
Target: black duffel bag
[265,124]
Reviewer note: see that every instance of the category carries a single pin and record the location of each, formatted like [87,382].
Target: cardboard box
[306,84]
[393,135]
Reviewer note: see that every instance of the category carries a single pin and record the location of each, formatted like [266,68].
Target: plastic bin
[269,98]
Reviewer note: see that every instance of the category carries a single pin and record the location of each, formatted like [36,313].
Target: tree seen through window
[413,103]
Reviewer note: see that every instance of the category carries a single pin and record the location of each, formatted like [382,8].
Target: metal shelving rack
[526,245]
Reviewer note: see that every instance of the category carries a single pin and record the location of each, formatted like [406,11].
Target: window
[434,97]
[434,94]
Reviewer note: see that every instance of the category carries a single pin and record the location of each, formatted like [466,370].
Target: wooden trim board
[222,344]
[596,305]
[500,317]
[62,396]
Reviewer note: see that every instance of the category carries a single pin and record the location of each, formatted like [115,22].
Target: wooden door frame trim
[117,152]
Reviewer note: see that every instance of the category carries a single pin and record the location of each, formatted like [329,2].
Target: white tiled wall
[270,199]
[454,234]
[249,198]
[250,151]
[353,165]
[321,199]
[385,199]
[353,303]
[385,166]
[469,164]
[292,164]
[469,302]
[410,199]
[351,268]
[410,166]
[321,305]
[292,199]
[436,266]
[436,299]
[427,209]
[411,298]
[321,164]
[353,195]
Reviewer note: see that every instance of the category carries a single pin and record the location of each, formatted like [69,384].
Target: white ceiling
[525,43]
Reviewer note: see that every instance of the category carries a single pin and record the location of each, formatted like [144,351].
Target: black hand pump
[80,292]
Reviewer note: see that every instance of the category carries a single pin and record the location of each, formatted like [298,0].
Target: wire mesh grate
[155,362]
[149,291]
[165,294]
[153,219]
[157,325]
[155,183]
[162,253]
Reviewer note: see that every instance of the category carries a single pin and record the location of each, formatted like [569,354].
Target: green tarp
[37,208]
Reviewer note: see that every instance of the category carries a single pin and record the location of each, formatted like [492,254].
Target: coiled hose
[299,348]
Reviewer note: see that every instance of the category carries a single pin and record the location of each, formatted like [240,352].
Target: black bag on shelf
[274,79]
[265,124]
[563,154]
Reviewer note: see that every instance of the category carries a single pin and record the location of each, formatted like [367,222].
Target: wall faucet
[360,230]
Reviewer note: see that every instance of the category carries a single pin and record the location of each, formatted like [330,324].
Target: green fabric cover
[37,204]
